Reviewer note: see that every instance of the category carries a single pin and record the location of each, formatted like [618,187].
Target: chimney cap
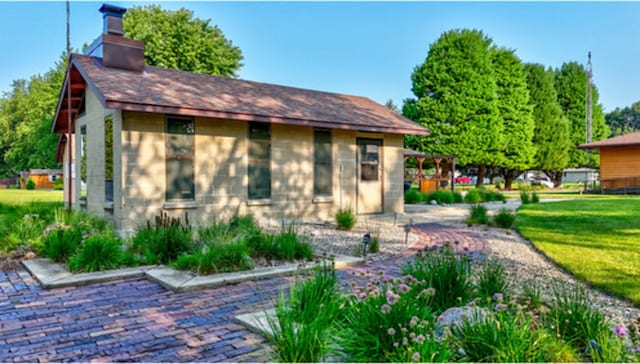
[113,10]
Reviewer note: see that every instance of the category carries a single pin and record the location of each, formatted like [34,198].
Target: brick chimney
[115,50]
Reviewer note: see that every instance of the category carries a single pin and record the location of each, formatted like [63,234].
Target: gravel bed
[524,263]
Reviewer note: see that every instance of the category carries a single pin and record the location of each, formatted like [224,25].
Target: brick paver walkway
[138,320]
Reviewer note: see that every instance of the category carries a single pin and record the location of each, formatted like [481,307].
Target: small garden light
[407,229]
[366,240]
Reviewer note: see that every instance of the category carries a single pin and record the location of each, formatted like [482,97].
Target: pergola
[430,183]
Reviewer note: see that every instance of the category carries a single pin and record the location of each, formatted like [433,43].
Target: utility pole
[589,103]
[69,133]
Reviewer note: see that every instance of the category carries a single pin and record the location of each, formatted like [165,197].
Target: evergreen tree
[455,94]
[570,85]
[551,134]
[517,151]
[624,121]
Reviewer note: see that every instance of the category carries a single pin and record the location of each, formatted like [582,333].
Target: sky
[361,48]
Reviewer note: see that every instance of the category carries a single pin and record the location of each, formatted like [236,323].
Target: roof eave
[216,114]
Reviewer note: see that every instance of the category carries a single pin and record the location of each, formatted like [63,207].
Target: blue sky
[361,48]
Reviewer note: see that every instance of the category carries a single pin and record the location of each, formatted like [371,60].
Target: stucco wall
[221,180]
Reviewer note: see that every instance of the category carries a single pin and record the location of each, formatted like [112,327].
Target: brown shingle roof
[185,93]
[618,141]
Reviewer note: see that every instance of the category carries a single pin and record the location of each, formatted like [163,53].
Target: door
[369,176]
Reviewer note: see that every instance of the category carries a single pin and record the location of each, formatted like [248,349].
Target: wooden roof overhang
[64,108]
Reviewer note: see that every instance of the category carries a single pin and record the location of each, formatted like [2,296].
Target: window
[83,162]
[369,160]
[108,158]
[180,171]
[322,175]
[259,161]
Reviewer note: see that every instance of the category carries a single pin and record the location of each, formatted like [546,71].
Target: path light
[366,239]
[407,229]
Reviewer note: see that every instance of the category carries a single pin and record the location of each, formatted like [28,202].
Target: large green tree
[551,137]
[455,93]
[516,152]
[26,111]
[175,39]
[570,84]
[625,120]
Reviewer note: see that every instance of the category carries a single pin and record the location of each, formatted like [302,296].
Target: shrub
[413,196]
[504,219]
[474,196]
[164,241]
[345,219]
[445,271]
[97,252]
[60,244]
[535,198]
[494,196]
[478,215]
[224,257]
[492,279]
[374,246]
[58,184]
[524,197]
[457,197]
[30,185]
[304,321]
[532,293]
[441,197]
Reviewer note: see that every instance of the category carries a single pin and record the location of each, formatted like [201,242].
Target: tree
[570,84]
[25,121]
[175,39]
[456,99]
[516,152]
[624,121]
[551,137]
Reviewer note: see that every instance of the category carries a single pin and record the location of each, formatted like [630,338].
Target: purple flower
[501,307]
[620,330]
[391,331]
[385,308]
[374,293]
[362,296]
[403,288]
[416,356]
[419,339]
[498,297]
[392,298]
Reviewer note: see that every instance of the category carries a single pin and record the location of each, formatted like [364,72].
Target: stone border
[54,275]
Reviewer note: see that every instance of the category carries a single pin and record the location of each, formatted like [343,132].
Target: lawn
[597,239]
[20,197]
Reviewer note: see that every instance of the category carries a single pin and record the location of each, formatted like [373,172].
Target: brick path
[138,320]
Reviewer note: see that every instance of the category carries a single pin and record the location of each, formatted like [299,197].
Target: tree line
[495,113]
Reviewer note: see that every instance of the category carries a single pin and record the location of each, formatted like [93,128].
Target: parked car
[544,181]
[463,179]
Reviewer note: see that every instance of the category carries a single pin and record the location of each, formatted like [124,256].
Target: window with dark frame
[180,159]
[259,161]
[322,163]
[370,162]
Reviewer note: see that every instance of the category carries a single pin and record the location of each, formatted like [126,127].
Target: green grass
[21,197]
[594,238]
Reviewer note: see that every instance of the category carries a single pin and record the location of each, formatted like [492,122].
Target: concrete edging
[54,275]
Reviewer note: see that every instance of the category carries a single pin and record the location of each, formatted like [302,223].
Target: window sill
[322,199]
[108,205]
[83,202]
[259,202]
[180,205]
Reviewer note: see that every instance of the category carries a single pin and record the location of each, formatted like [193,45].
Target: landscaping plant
[97,252]
[61,243]
[163,241]
[446,272]
[492,279]
[478,215]
[504,219]
[345,219]
[413,196]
